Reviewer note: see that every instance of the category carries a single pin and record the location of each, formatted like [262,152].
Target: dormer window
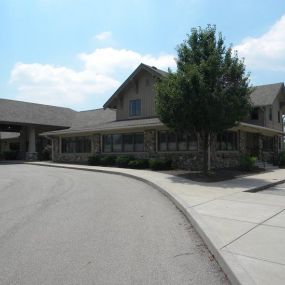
[135,108]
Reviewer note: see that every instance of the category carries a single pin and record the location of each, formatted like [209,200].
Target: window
[227,141]
[169,141]
[135,107]
[268,143]
[76,145]
[270,113]
[255,114]
[123,142]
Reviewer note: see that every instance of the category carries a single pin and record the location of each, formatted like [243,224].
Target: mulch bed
[215,176]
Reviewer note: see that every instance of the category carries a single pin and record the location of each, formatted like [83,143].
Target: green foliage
[45,154]
[10,155]
[138,164]
[160,164]
[247,163]
[281,159]
[123,160]
[108,160]
[210,91]
[95,159]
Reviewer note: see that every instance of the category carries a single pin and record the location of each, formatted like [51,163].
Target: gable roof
[265,94]
[142,66]
[12,111]
[88,120]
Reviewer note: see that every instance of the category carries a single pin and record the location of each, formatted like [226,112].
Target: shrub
[10,155]
[108,160]
[138,164]
[95,159]
[45,154]
[281,159]
[160,164]
[247,163]
[123,160]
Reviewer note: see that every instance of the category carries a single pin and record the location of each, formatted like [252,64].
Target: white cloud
[103,36]
[266,52]
[100,76]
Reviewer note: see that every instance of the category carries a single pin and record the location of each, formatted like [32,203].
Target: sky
[77,53]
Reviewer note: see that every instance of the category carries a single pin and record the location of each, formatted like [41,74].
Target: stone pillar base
[31,156]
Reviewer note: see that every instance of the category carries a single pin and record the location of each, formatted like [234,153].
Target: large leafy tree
[210,90]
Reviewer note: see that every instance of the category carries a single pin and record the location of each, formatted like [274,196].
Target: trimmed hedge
[94,160]
[108,160]
[123,160]
[160,164]
[138,164]
[247,163]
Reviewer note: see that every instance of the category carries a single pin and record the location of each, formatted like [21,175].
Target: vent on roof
[154,67]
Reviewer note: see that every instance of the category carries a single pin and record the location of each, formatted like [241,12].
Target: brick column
[242,142]
[150,141]
[96,143]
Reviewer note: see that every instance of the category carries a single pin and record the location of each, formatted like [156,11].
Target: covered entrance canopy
[29,119]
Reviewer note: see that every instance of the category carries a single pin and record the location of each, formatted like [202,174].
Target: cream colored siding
[141,88]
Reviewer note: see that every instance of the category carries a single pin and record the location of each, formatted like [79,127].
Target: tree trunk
[205,152]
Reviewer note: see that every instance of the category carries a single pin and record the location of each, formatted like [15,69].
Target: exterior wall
[192,160]
[145,93]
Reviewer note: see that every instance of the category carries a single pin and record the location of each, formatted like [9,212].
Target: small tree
[210,90]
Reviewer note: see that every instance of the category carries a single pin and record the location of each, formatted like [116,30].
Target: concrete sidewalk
[244,231]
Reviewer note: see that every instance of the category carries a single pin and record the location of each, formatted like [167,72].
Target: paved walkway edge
[228,262]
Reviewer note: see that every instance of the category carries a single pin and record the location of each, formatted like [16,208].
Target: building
[128,124]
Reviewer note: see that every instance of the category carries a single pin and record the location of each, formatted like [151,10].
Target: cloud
[103,36]
[101,74]
[266,52]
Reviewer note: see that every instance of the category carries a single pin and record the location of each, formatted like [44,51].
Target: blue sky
[76,53]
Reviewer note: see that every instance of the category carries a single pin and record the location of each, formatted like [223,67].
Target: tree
[210,90]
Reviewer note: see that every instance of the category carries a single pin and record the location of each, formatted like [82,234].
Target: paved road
[60,226]
[275,190]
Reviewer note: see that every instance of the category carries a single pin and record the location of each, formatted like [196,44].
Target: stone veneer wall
[192,160]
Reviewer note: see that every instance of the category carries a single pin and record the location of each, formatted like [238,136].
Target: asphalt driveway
[61,226]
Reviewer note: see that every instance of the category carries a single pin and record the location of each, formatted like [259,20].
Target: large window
[76,145]
[169,141]
[268,143]
[227,141]
[123,142]
[135,107]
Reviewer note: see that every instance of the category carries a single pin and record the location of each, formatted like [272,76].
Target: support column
[23,143]
[150,141]
[31,154]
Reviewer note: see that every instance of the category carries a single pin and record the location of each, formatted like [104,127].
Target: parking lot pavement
[64,226]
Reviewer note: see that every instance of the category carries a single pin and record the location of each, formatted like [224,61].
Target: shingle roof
[142,66]
[31,113]
[265,94]
[111,125]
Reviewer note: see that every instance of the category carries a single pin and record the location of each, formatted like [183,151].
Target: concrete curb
[228,262]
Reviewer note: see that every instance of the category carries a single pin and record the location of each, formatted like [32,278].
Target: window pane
[172,141]
[162,136]
[182,142]
[128,142]
[117,143]
[139,142]
[107,143]
[192,142]
[135,107]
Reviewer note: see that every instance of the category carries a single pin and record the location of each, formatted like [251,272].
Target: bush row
[129,162]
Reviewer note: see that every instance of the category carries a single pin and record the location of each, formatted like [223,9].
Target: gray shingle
[265,94]
[31,113]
